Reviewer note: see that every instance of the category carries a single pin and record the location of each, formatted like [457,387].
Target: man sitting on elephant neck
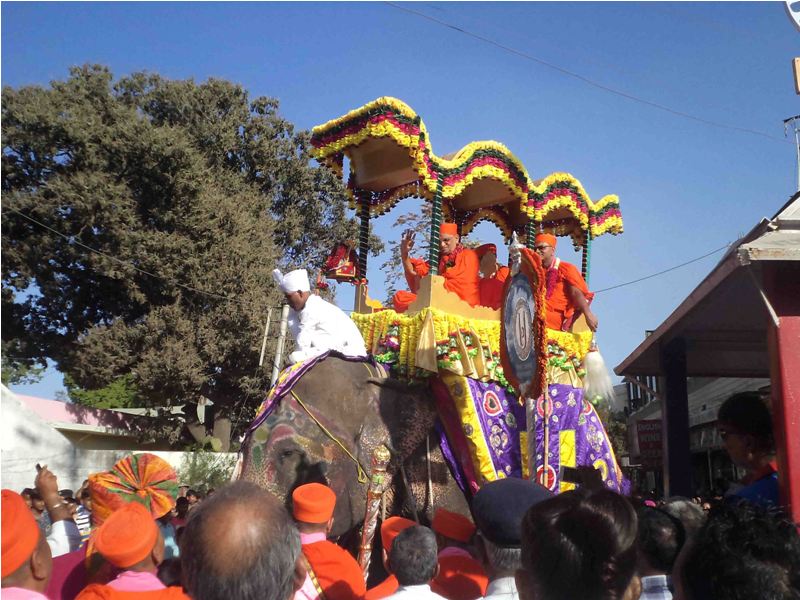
[567,292]
[316,325]
[335,573]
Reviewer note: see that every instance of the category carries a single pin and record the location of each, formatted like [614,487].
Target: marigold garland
[392,118]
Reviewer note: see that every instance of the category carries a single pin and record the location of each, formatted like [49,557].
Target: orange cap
[546,238]
[390,529]
[448,229]
[313,503]
[20,532]
[453,525]
[485,249]
[127,536]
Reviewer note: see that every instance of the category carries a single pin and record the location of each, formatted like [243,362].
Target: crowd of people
[520,541]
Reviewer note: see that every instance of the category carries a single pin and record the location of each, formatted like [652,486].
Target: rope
[362,475]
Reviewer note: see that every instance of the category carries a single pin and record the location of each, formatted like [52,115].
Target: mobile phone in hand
[38,468]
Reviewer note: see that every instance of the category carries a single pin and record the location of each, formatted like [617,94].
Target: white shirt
[502,588]
[64,537]
[415,592]
[321,326]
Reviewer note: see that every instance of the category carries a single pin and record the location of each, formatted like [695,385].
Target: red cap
[313,503]
[546,238]
[391,528]
[20,532]
[485,249]
[448,229]
[453,525]
[128,536]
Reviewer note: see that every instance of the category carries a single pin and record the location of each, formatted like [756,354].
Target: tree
[141,222]
[203,470]
[420,223]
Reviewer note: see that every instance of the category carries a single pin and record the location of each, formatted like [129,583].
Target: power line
[688,262]
[584,79]
[127,263]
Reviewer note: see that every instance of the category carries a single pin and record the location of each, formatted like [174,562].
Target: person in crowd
[335,572]
[460,576]
[142,478]
[130,540]
[458,265]
[63,535]
[498,508]
[26,559]
[193,497]
[580,544]
[493,276]
[660,537]
[567,293]
[745,426]
[181,513]
[168,533]
[241,544]
[38,509]
[390,529]
[82,516]
[315,324]
[414,562]
[743,551]
[690,515]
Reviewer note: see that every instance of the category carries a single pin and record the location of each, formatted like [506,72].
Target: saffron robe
[560,307]
[461,278]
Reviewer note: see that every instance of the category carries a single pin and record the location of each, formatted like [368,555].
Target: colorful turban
[313,503]
[142,478]
[20,532]
[486,249]
[448,229]
[546,238]
[453,525]
[128,536]
[391,528]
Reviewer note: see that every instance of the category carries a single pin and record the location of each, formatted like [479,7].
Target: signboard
[651,453]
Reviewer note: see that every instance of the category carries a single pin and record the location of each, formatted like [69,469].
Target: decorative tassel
[597,382]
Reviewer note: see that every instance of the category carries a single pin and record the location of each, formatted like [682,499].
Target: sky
[686,187]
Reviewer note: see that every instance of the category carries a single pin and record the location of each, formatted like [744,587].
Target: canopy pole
[363,233]
[530,234]
[586,257]
[436,221]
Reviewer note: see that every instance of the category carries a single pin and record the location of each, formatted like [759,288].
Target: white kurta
[321,326]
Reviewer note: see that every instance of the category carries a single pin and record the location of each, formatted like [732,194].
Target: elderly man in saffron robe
[458,265]
[567,292]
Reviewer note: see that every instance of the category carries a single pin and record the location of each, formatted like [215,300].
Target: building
[741,321]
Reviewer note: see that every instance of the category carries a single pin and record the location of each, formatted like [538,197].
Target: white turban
[293,281]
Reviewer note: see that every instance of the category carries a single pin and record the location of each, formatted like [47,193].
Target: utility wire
[72,240]
[688,262]
[586,80]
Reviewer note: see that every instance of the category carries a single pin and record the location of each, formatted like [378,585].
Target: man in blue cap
[498,509]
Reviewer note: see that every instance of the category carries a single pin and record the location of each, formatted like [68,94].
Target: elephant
[337,414]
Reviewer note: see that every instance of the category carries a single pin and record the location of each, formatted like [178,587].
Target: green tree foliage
[160,208]
[420,223]
[203,470]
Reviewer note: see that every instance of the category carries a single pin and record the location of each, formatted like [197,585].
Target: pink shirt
[311,538]
[307,591]
[17,593]
[135,581]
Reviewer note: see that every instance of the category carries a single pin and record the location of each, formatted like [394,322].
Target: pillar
[675,420]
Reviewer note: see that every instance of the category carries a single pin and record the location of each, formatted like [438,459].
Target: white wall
[27,439]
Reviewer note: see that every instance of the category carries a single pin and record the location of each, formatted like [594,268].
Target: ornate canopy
[391,158]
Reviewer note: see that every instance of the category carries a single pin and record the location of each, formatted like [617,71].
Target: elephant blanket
[487,429]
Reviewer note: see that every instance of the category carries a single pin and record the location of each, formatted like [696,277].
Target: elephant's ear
[405,415]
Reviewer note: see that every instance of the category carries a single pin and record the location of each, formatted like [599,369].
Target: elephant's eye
[288,453]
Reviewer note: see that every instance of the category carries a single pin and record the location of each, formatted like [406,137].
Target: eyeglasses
[541,248]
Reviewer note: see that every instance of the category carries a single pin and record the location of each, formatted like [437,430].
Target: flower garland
[565,350]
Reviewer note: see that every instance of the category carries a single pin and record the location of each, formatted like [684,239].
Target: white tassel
[597,382]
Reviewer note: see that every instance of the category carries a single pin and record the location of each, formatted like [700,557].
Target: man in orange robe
[130,540]
[458,265]
[493,276]
[333,570]
[390,529]
[567,292]
[460,576]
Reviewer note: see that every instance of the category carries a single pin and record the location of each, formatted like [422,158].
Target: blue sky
[685,187]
